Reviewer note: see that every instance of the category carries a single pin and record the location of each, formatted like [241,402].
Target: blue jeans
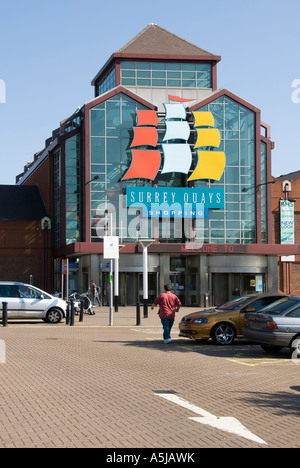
[96,298]
[167,325]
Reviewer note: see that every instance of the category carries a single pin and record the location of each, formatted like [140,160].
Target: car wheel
[271,348]
[54,316]
[223,334]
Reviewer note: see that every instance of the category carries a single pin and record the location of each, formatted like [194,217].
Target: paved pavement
[120,386]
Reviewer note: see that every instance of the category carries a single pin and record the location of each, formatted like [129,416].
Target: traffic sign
[111,247]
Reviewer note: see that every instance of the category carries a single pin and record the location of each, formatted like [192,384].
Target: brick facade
[289,274]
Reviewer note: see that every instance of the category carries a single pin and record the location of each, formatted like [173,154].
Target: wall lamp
[92,180]
[246,189]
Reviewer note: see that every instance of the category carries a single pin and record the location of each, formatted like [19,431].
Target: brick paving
[93,385]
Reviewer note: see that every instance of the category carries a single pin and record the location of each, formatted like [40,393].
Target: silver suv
[28,302]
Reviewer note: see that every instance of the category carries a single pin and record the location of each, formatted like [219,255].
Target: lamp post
[144,243]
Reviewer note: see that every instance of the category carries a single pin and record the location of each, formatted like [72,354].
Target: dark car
[276,326]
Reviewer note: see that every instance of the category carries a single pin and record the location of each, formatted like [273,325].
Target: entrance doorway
[177,281]
[227,286]
[131,288]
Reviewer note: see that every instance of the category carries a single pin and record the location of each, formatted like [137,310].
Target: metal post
[116,285]
[111,275]
[68,313]
[145,244]
[72,313]
[111,293]
[138,314]
[4,314]
[81,311]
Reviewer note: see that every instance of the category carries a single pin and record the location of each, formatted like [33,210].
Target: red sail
[145,165]
[179,99]
[147,117]
[144,136]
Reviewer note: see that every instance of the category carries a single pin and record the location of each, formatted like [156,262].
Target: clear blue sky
[51,50]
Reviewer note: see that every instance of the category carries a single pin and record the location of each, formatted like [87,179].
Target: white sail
[177,158]
[175,111]
[177,129]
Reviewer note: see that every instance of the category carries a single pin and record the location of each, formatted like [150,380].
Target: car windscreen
[235,303]
[280,306]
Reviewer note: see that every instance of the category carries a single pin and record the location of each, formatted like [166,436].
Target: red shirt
[168,304]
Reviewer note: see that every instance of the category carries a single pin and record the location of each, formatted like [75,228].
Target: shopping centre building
[161,153]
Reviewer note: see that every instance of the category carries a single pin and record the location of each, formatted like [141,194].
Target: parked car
[225,323]
[28,302]
[276,326]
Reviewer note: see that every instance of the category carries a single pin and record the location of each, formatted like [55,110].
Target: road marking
[255,361]
[149,331]
[227,424]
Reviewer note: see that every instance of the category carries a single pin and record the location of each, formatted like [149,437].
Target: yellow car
[225,323]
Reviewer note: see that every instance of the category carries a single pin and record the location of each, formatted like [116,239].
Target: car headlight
[201,320]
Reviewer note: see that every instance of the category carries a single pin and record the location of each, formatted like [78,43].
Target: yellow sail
[211,165]
[203,119]
[208,137]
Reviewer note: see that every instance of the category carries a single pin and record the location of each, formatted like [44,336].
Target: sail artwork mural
[210,164]
[177,154]
[145,164]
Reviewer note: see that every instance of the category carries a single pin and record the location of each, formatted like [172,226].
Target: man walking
[168,304]
[96,290]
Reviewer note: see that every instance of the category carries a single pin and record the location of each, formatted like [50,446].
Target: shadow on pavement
[242,349]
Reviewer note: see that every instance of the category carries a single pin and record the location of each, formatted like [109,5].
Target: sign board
[174,154]
[259,283]
[287,226]
[111,247]
[64,266]
[177,202]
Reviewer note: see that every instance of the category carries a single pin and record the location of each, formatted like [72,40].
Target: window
[107,82]
[72,157]
[295,313]
[259,304]
[263,189]
[8,291]
[157,74]
[27,292]
[56,193]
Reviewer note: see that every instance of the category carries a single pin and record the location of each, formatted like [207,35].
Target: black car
[276,326]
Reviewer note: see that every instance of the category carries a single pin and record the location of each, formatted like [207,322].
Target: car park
[25,301]
[276,326]
[224,323]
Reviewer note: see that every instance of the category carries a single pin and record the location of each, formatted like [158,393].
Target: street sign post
[111,252]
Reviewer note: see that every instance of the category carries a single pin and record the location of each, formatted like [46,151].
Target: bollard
[72,316]
[138,314]
[145,308]
[4,313]
[68,313]
[81,311]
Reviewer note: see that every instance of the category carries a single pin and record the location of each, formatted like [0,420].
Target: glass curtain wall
[263,192]
[111,137]
[56,203]
[72,167]
[236,223]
